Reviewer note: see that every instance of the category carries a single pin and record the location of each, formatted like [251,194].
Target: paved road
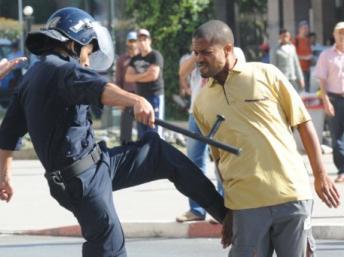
[33,246]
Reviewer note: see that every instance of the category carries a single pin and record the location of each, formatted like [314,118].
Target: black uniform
[52,105]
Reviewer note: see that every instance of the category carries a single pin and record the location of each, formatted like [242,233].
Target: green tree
[252,22]
[171,23]
[9,29]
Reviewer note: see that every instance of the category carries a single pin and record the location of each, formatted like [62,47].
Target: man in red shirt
[304,51]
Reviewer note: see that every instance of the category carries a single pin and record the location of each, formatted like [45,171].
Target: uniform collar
[238,68]
[61,56]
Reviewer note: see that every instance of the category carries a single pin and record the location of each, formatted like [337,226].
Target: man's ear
[227,49]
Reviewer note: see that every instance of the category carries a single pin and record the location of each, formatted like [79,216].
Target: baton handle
[199,137]
[219,120]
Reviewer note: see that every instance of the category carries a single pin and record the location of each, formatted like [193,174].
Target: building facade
[322,15]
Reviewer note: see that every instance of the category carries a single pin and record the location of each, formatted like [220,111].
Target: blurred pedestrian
[265,52]
[304,51]
[127,118]
[285,58]
[146,70]
[330,71]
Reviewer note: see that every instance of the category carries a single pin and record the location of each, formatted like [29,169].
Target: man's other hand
[227,229]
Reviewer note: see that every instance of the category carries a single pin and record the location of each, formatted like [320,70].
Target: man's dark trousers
[89,196]
[126,126]
[336,125]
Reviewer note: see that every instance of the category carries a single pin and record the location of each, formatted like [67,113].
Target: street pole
[111,19]
[273,23]
[27,11]
[20,17]
[110,114]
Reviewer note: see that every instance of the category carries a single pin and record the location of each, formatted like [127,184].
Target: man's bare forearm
[5,164]
[113,95]
[312,147]
[187,67]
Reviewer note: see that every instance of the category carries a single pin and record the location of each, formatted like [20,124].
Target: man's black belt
[80,166]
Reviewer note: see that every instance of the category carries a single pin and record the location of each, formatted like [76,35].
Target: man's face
[132,45]
[285,37]
[339,36]
[85,55]
[144,43]
[304,30]
[210,58]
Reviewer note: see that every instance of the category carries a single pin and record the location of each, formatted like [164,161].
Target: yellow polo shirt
[260,107]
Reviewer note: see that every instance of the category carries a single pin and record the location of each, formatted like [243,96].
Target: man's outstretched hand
[6,66]
[227,229]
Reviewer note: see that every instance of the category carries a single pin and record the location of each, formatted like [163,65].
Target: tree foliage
[252,23]
[171,23]
[9,28]
[252,6]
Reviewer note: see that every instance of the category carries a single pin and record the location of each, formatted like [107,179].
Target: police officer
[52,105]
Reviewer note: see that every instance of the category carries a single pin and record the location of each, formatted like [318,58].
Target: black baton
[199,137]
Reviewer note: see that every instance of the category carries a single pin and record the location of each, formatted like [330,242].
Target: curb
[175,230]
[332,232]
[141,230]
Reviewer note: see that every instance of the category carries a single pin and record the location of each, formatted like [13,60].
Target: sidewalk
[148,210]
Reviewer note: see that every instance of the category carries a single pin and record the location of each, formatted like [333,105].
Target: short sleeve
[184,58]
[81,86]
[290,101]
[13,126]
[157,59]
[321,68]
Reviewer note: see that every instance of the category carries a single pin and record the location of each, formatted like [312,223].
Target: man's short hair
[216,32]
[282,31]
[303,23]
[143,32]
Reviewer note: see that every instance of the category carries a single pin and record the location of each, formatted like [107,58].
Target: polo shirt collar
[336,50]
[238,67]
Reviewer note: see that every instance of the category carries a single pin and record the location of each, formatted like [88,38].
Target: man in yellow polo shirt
[267,186]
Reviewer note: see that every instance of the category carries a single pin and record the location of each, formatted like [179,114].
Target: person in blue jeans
[146,70]
[199,154]
[191,83]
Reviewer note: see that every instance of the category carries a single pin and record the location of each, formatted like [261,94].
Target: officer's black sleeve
[13,126]
[81,86]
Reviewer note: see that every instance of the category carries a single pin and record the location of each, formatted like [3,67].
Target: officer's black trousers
[89,196]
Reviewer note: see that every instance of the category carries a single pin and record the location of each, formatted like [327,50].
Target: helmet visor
[103,58]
